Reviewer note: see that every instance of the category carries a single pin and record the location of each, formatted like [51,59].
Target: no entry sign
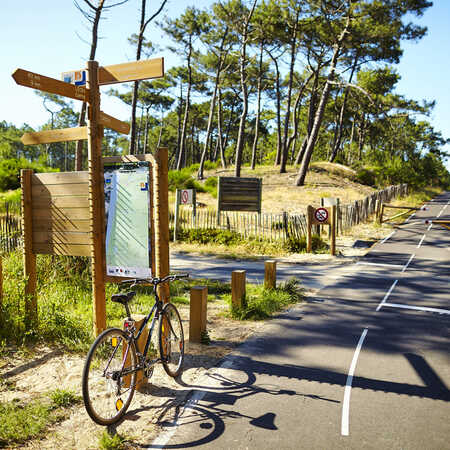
[186,196]
[321,215]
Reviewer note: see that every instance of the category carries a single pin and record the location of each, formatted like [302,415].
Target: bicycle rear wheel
[171,340]
[107,388]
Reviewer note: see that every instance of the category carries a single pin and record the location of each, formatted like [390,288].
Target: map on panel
[127,220]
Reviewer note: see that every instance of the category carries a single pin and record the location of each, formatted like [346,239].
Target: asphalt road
[365,364]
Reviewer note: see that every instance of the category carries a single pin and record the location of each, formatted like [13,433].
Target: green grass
[261,303]
[112,441]
[20,422]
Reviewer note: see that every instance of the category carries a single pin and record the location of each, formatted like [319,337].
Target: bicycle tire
[107,399]
[171,340]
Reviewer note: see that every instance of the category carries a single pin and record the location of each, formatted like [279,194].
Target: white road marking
[387,237]
[429,228]
[348,386]
[387,295]
[418,308]
[398,266]
[409,262]
[412,215]
[420,243]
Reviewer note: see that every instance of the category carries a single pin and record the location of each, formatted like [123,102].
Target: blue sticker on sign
[144,186]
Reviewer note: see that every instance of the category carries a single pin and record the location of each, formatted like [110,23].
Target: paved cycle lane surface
[364,365]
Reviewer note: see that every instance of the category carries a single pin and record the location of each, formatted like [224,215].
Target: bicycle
[112,363]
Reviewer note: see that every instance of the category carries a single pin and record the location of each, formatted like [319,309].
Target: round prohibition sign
[321,214]
[184,197]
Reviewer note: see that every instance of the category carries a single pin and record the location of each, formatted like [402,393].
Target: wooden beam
[113,123]
[52,85]
[96,199]
[131,71]
[49,136]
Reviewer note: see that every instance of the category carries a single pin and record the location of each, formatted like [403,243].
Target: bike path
[365,364]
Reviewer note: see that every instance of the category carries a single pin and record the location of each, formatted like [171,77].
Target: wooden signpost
[321,216]
[72,224]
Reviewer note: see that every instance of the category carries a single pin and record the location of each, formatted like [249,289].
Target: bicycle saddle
[123,299]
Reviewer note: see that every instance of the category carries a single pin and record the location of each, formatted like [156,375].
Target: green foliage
[367,176]
[262,303]
[211,186]
[183,179]
[211,235]
[298,245]
[114,441]
[10,172]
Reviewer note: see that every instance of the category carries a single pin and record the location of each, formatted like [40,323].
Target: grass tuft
[112,441]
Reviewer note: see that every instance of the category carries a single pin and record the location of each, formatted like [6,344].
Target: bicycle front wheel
[171,340]
[109,376]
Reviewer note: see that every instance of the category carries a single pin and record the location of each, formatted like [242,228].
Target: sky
[50,37]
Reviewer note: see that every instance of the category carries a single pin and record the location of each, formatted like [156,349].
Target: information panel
[127,202]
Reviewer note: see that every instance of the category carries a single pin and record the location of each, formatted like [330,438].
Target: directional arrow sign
[132,71]
[47,84]
[113,123]
[49,136]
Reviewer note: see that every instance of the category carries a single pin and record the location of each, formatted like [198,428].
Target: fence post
[177,214]
[333,231]
[270,274]
[309,214]
[29,258]
[1,289]
[197,315]
[238,288]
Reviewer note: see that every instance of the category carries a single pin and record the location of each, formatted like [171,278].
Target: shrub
[366,176]
[206,236]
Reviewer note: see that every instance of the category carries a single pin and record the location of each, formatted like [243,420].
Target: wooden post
[309,219]
[1,288]
[96,199]
[219,193]
[197,316]
[177,213]
[29,258]
[333,230]
[238,288]
[161,205]
[270,274]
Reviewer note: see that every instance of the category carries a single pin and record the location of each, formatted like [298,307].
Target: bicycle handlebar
[155,280]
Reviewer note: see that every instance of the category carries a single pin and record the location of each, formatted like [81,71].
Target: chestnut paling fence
[264,226]
[283,226]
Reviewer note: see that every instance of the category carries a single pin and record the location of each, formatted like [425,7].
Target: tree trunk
[258,108]
[181,154]
[219,130]
[82,117]
[300,181]
[278,112]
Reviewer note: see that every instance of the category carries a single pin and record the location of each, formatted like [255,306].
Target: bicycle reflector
[119,404]
[114,342]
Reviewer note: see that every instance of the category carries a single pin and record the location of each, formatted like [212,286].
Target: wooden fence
[283,226]
[10,226]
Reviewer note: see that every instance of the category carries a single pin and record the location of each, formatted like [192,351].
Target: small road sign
[186,196]
[52,85]
[321,215]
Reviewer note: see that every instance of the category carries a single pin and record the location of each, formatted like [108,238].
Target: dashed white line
[417,308]
[348,386]
[429,228]
[420,243]
[387,295]
[387,237]
[409,262]
[398,266]
[412,215]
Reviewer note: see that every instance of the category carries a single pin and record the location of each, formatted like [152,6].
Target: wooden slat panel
[61,225]
[60,189]
[61,237]
[56,214]
[60,202]
[59,249]
[60,178]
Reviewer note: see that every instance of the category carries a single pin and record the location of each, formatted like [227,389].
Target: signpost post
[321,216]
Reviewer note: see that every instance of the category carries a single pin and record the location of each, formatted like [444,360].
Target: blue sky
[44,37]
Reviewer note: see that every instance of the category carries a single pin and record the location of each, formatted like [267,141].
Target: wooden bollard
[197,317]
[238,288]
[270,274]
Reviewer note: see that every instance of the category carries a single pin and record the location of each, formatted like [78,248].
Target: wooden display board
[71,218]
